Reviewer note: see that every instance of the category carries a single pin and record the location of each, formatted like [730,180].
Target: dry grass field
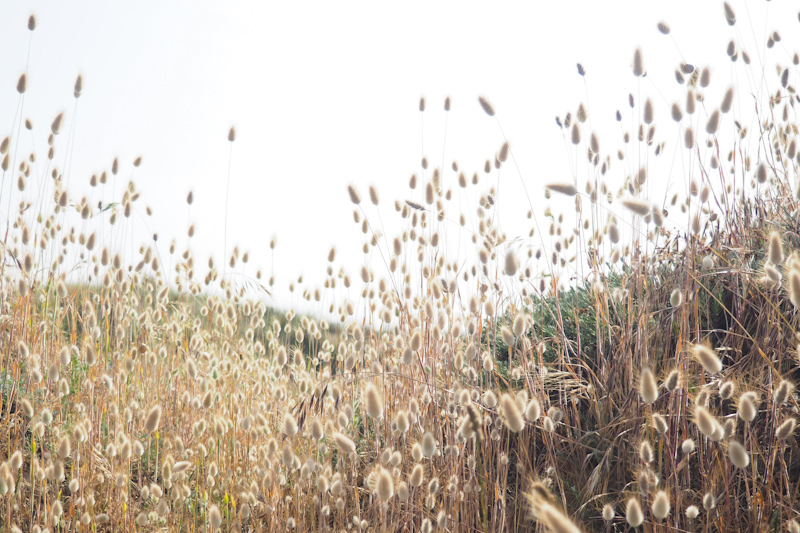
[626,366]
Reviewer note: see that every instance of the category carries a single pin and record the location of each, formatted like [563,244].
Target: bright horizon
[325,97]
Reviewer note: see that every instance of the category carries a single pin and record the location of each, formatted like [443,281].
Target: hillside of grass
[631,367]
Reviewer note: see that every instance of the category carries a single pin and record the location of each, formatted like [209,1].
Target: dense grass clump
[630,366]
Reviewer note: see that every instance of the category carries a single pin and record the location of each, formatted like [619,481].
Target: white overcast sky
[324,94]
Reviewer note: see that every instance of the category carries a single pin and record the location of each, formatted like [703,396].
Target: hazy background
[324,94]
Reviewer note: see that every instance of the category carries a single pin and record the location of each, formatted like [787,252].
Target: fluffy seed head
[645,452]
[782,392]
[289,425]
[373,401]
[613,233]
[489,399]
[648,111]
[567,189]
[608,512]
[705,421]
[487,107]
[508,336]
[637,207]
[660,423]
[738,455]
[706,357]
[692,512]
[676,298]
[214,517]
[575,134]
[429,445]
[417,476]
[633,513]
[385,485]
[746,409]
[794,287]
[786,429]
[354,196]
[55,127]
[661,505]
[16,460]
[761,173]
[638,63]
[727,101]
[677,114]
[648,388]
[510,266]
[688,138]
[687,446]
[775,248]
[344,443]
[533,411]
[594,143]
[502,155]
[673,380]
[553,518]
[153,418]
[519,324]
[511,414]
[726,390]
[705,77]
[64,448]
[713,123]
[730,16]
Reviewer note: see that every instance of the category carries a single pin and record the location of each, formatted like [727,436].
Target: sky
[326,94]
